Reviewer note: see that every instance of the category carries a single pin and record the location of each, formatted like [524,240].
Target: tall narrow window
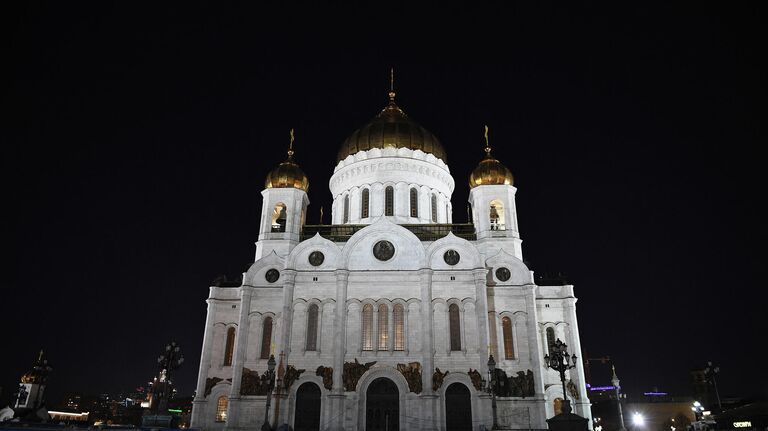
[229,348]
[367,321]
[278,218]
[266,338]
[434,209]
[414,202]
[455,328]
[506,329]
[389,201]
[399,321]
[221,409]
[346,209]
[383,326]
[365,200]
[312,328]
[550,339]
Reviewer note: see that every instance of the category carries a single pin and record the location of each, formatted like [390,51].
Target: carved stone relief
[327,374]
[437,379]
[412,374]
[352,373]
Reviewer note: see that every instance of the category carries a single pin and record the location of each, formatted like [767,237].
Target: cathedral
[389,317]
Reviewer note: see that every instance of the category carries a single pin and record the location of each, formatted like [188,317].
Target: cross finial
[290,146]
[392,85]
[487,145]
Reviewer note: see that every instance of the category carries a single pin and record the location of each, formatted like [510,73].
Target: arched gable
[357,253]
[520,275]
[298,259]
[256,274]
[469,257]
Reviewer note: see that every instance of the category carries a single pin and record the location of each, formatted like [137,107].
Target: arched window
[550,338]
[221,409]
[389,201]
[506,329]
[367,321]
[229,347]
[383,326]
[365,200]
[414,202]
[455,328]
[497,215]
[312,328]
[557,404]
[398,315]
[266,338]
[434,208]
[346,209]
[278,218]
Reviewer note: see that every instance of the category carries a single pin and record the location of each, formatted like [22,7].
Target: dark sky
[137,139]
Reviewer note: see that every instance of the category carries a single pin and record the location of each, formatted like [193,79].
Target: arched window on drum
[365,204]
[389,201]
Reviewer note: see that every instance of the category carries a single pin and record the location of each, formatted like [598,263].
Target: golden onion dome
[287,174]
[392,128]
[490,171]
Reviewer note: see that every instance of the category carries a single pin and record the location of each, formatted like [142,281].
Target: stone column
[429,398]
[481,312]
[287,314]
[582,405]
[241,343]
[536,354]
[337,396]
[198,409]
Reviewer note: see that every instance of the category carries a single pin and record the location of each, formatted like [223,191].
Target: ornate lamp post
[615,381]
[170,360]
[492,388]
[710,373]
[560,362]
[271,378]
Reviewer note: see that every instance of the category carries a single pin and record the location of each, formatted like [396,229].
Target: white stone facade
[416,281]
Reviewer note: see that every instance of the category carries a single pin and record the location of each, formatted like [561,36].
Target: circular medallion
[503,274]
[451,257]
[383,250]
[272,275]
[316,258]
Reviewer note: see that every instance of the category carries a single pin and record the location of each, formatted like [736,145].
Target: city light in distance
[638,419]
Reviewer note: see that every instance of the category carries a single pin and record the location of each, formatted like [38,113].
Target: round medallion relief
[272,275]
[383,250]
[316,258]
[451,257]
[503,274]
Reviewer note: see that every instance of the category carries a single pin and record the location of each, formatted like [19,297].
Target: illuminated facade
[385,318]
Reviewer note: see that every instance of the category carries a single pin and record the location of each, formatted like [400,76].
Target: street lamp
[697,410]
[170,360]
[638,420]
[492,388]
[710,373]
[615,381]
[271,379]
[561,362]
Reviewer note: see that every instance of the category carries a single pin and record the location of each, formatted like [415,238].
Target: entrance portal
[307,415]
[382,406]
[458,408]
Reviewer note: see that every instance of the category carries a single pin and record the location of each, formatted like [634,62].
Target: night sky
[136,140]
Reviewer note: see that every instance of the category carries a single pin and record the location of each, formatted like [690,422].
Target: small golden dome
[490,171]
[287,174]
[392,129]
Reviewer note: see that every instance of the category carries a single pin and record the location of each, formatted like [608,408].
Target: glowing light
[638,419]
[744,424]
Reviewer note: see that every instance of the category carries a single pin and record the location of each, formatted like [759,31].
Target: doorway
[382,406]
[458,408]
[307,412]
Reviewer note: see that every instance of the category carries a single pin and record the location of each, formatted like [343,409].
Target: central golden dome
[392,129]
